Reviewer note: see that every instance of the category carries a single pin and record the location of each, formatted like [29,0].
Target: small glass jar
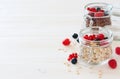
[98,14]
[94,51]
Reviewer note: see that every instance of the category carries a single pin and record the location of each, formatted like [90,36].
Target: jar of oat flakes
[98,14]
[95,45]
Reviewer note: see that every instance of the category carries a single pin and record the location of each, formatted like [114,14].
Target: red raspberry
[69,59]
[66,42]
[112,63]
[100,36]
[93,9]
[86,37]
[117,50]
[75,55]
[94,37]
[71,56]
[88,8]
[90,37]
[99,14]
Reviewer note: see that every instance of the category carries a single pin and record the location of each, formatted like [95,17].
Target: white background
[31,32]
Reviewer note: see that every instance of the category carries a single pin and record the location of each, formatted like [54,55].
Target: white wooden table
[31,32]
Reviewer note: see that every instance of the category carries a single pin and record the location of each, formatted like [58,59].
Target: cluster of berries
[96,12]
[73,57]
[67,41]
[95,37]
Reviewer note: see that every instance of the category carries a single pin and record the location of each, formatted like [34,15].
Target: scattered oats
[78,72]
[60,49]
[67,64]
[65,50]
[91,67]
[69,70]
[100,73]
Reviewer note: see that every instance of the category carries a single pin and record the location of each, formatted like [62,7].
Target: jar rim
[109,32]
[110,6]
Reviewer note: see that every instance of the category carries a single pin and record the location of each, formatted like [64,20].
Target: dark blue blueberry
[74,61]
[75,35]
[78,40]
[98,8]
[97,39]
[106,38]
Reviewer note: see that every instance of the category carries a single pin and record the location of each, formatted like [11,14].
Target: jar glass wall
[98,14]
[95,50]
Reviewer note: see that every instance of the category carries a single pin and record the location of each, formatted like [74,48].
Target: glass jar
[98,14]
[98,49]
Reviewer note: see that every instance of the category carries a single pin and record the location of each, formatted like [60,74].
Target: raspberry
[100,36]
[86,37]
[93,9]
[88,8]
[75,55]
[90,37]
[117,50]
[112,63]
[69,59]
[66,42]
[99,14]
[71,56]
[93,37]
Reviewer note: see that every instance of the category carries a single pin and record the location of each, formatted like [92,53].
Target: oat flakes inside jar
[95,45]
[98,14]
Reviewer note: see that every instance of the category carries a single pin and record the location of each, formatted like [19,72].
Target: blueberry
[97,39]
[98,8]
[78,40]
[106,38]
[75,35]
[74,61]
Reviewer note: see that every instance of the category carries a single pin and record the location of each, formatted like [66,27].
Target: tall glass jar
[98,14]
[95,45]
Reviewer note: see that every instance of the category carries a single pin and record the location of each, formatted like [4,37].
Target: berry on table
[75,35]
[75,55]
[78,40]
[66,42]
[74,61]
[117,50]
[112,63]
[73,58]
